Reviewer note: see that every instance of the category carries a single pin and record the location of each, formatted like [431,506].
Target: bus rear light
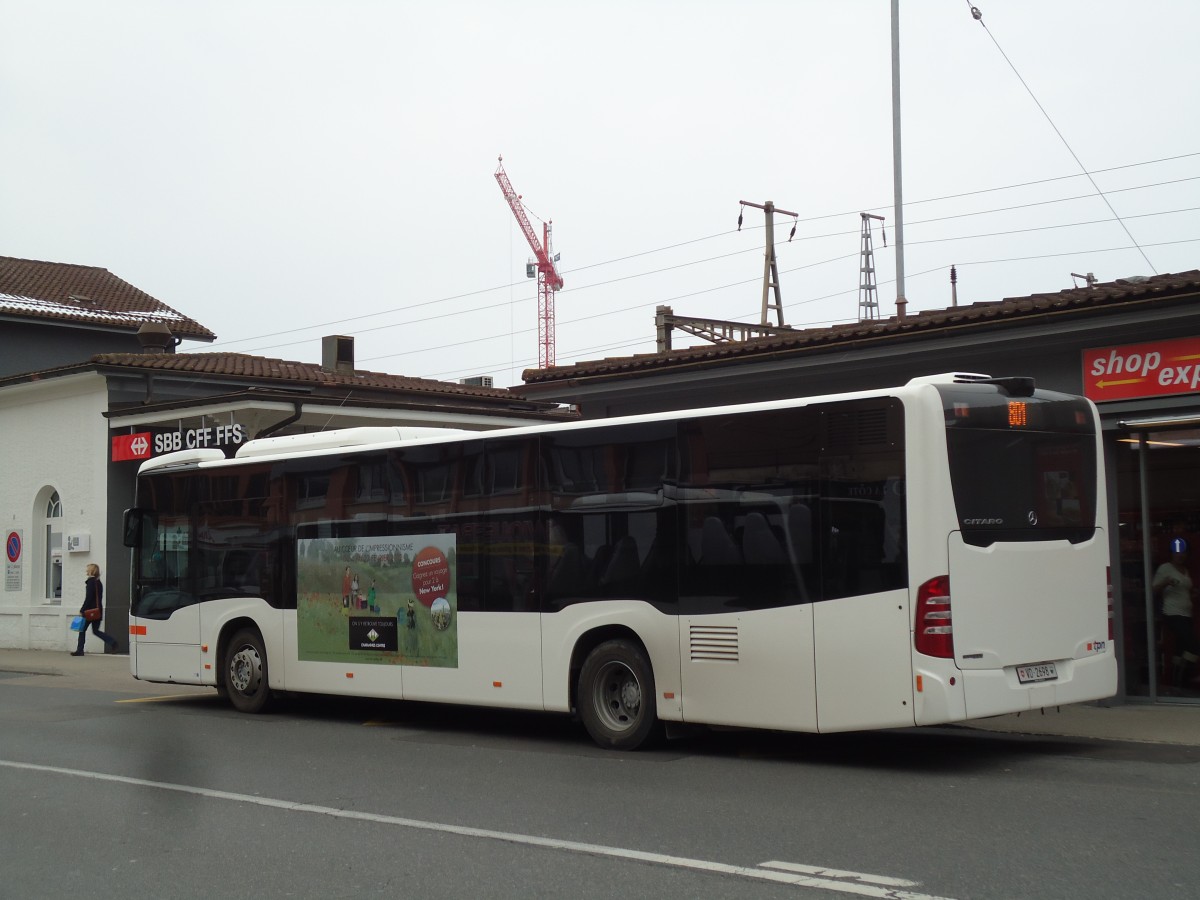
[934,623]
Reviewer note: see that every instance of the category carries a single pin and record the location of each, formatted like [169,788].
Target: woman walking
[93,599]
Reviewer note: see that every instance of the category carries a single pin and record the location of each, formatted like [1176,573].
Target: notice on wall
[14,546]
[390,599]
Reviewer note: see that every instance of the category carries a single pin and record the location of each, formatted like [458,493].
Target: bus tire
[616,696]
[245,674]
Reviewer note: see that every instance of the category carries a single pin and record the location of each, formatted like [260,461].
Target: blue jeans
[108,639]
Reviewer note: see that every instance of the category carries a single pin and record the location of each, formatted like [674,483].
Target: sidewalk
[1143,722]
[1160,723]
[91,672]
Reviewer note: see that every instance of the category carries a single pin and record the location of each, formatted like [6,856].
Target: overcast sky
[280,171]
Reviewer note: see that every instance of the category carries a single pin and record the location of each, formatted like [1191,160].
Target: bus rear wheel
[616,696]
[245,674]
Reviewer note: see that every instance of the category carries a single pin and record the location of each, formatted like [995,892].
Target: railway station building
[91,385]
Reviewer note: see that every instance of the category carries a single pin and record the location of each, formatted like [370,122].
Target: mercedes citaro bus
[919,555]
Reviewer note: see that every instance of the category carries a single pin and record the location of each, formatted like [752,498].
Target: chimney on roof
[155,337]
[337,354]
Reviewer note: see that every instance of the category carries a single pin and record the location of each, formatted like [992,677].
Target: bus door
[861,623]
[164,630]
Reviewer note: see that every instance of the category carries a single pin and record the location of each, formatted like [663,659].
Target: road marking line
[796,878]
[839,873]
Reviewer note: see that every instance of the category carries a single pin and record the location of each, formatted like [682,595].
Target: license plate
[1040,672]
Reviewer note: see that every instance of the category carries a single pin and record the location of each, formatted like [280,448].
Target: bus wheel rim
[245,670]
[617,696]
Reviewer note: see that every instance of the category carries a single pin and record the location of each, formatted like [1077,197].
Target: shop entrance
[1158,494]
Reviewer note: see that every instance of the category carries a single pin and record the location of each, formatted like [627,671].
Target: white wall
[54,435]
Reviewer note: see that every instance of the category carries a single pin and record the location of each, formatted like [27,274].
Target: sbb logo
[168,443]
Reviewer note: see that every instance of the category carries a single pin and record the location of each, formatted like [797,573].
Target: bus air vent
[715,643]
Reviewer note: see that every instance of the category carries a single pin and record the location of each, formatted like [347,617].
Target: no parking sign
[13,545]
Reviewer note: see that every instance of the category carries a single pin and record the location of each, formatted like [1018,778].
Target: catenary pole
[897,177]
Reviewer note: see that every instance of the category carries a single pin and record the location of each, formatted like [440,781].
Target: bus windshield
[1021,468]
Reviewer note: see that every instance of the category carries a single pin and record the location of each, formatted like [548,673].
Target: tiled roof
[31,289]
[282,373]
[1011,311]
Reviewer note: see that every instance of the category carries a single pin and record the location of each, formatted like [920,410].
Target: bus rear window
[1021,468]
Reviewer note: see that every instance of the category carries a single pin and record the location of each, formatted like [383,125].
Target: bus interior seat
[800,533]
[716,545]
[760,547]
[800,545]
[658,575]
[236,569]
[599,565]
[567,574]
[621,574]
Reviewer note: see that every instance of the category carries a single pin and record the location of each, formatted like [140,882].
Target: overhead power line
[677,245]
[978,16]
[748,316]
[740,283]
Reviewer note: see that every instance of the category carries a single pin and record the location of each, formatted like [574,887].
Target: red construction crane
[548,278]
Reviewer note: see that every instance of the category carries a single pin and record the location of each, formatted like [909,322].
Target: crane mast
[548,278]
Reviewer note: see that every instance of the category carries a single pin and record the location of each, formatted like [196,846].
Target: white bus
[920,555]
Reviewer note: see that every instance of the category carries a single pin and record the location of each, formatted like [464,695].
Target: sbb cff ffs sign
[217,436]
[147,444]
[1131,371]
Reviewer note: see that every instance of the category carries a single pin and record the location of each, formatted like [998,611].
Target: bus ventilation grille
[716,643]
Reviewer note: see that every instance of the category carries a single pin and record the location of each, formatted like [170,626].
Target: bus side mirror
[134,521]
[132,528]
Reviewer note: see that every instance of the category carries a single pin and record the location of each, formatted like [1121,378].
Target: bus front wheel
[616,696]
[245,680]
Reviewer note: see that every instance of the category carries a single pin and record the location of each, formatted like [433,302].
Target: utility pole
[770,267]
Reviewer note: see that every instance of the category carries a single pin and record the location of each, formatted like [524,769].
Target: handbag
[77,624]
[92,614]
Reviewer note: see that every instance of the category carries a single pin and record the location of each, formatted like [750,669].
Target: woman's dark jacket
[93,594]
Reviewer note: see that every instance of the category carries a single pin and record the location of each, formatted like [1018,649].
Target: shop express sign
[1142,370]
[146,444]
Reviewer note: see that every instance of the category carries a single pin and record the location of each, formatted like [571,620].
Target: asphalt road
[172,794]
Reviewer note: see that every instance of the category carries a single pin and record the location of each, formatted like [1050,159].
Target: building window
[53,548]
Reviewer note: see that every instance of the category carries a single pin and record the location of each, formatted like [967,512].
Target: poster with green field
[389,600]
